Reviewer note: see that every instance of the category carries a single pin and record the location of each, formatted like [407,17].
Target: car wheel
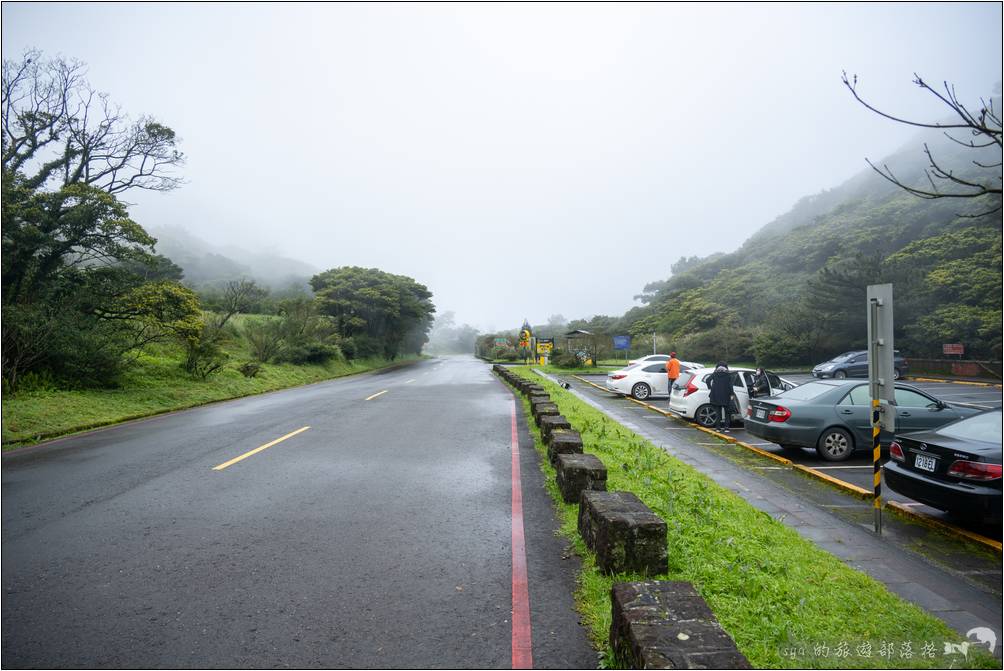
[641,391]
[707,415]
[840,374]
[835,445]
[896,374]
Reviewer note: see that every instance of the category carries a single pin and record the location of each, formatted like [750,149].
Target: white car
[645,379]
[690,393]
[654,358]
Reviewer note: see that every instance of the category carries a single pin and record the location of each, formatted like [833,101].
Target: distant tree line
[85,293]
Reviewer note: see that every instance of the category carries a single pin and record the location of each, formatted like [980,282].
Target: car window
[774,380]
[840,358]
[906,398]
[655,368]
[683,379]
[985,427]
[737,381]
[748,378]
[860,395]
[807,391]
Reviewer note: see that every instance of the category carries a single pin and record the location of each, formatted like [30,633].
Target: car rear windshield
[683,379]
[807,391]
[985,427]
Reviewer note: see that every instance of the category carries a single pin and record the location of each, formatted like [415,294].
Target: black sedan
[834,416]
[956,468]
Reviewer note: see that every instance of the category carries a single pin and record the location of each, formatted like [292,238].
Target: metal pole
[876,414]
[653,342]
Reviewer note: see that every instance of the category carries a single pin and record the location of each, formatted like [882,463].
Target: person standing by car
[720,395]
[761,385]
[672,371]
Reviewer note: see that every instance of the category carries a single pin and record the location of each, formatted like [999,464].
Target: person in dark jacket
[761,385]
[720,396]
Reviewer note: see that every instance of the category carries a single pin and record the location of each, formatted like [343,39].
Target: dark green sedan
[834,416]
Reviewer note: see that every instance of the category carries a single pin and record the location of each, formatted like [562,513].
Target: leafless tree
[57,129]
[980,130]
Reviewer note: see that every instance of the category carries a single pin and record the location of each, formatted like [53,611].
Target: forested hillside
[794,291]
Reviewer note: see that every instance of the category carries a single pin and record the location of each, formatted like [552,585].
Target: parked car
[955,468]
[834,416]
[690,396]
[645,380]
[655,358]
[855,364]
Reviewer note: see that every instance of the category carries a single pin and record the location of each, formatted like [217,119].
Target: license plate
[760,413]
[926,463]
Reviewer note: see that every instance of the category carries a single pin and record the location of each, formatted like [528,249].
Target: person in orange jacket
[672,370]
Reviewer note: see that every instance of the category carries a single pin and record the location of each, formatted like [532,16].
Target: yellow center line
[370,398]
[256,450]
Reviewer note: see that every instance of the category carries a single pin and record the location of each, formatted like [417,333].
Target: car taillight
[749,410]
[896,451]
[691,388]
[617,377]
[975,470]
[779,414]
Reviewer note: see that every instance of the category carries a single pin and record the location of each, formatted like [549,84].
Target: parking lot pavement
[858,469]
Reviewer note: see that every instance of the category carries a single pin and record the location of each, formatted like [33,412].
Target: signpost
[881,380]
[544,347]
[953,348]
[622,343]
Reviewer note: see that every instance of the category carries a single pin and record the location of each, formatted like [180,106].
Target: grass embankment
[784,601]
[155,384]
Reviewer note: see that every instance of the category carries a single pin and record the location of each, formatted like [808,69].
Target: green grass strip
[155,384]
[785,602]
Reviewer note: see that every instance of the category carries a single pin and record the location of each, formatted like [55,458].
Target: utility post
[881,380]
[653,342]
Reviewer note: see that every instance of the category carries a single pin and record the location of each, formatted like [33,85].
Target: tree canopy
[377,313]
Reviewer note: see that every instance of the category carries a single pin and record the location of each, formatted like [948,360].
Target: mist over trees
[447,337]
[85,292]
[794,292]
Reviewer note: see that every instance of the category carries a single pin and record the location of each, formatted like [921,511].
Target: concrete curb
[971,383]
[853,490]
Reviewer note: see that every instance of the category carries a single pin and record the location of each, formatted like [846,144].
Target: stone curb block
[668,625]
[623,532]
[579,472]
[563,442]
[550,423]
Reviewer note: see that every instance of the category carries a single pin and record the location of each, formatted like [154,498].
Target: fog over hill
[206,264]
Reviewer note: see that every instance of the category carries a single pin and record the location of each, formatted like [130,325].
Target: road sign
[545,345]
[622,342]
[953,348]
[502,342]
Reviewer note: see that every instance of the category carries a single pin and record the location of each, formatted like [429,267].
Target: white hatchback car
[646,379]
[690,394]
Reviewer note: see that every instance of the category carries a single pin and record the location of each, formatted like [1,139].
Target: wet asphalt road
[858,469]
[379,537]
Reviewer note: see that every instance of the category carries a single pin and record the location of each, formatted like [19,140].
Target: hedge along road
[361,522]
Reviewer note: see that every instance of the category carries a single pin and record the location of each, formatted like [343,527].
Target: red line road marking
[522,650]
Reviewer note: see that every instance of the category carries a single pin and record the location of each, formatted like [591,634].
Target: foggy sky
[520,160]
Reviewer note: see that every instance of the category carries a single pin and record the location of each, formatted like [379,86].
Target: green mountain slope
[795,290]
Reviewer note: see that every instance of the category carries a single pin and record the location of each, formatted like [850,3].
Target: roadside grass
[155,384]
[786,602]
